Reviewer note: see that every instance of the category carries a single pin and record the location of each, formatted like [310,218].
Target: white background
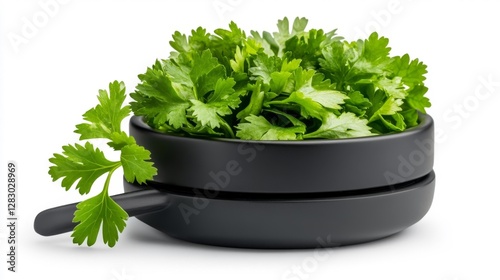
[51,77]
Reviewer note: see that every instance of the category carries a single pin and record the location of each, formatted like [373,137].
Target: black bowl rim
[426,121]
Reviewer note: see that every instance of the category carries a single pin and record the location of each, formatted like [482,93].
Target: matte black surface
[59,220]
[289,166]
[292,223]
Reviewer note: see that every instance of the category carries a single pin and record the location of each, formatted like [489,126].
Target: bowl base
[292,223]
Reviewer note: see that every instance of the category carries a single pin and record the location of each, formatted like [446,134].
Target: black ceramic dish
[274,194]
[312,166]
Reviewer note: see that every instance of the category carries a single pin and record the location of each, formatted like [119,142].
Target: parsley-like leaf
[136,167]
[347,125]
[84,164]
[220,103]
[158,100]
[417,100]
[412,72]
[258,128]
[100,211]
[106,117]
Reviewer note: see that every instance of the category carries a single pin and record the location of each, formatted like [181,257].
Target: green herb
[293,84]
[85,164]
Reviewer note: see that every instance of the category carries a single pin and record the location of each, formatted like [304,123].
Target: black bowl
[289,194]
[311,166]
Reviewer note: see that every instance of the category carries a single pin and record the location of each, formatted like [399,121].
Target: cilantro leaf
[180,42]
[307,73]
[106,117]
[120,140]
[258,128]
[411,72]
[220,103]
[264,66]
[417,100]
[84,164]
[393,87]
[347,125]
[335,63]
[313,97]
[255,104]
[100,211]
[357,103]
[284,33]
[383,105]
[394,122]
[320,93]
[374,56]
[136,167]
[238,63]
[308,48]
[157,100]
[202,64]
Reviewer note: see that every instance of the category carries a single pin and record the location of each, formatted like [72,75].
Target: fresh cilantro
[347,125]
[258,128]
[213,83]
[86,164]
[291,84]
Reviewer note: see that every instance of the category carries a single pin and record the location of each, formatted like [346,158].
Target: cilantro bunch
[289,85]
[85,164]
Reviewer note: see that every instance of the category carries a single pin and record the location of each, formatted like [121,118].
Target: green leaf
[411,72]
[410,117]
[180,42]
[393,87]
[357,103]
[220,103]
[335,63]
[199,39]
[254,107]
[322,94]
[347,125]
[284,33]
[258,42]
[374,57]
[264,66]
[94,213]
[80,163]
[136,167]
[314,99]
[383,105]
[105,118]
[202,64]
[308,47]
[358,99]
[289,118]
[158,100]
[394,122]
[417,100]
[258,128]
[120,139]
[238,63]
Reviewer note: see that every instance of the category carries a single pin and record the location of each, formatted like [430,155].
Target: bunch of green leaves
[80,166]
[292,84]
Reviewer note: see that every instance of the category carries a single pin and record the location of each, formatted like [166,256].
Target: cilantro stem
[227,128]
[108,178]
[277,102]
